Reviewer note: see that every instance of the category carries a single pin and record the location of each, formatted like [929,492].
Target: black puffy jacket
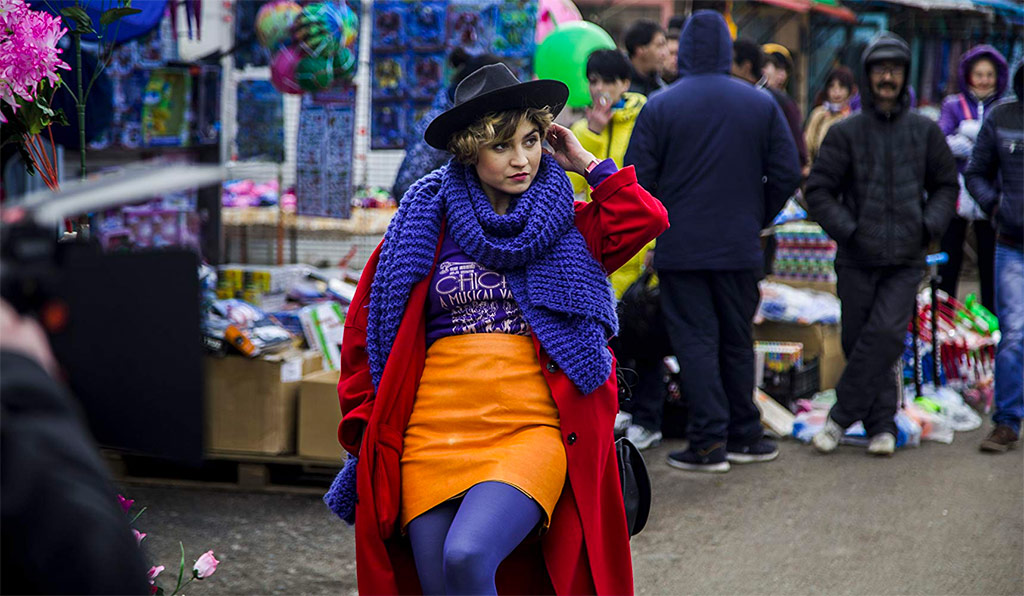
[995,175]
[885,183]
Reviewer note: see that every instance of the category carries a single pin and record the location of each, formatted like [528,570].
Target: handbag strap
[966,108]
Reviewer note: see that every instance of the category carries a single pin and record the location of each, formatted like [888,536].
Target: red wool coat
[586,550]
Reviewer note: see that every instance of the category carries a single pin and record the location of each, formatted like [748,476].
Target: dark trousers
[877,306]
[709,316]
[648,401]
[953,245]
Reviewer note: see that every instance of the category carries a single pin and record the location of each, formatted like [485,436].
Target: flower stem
[137,516]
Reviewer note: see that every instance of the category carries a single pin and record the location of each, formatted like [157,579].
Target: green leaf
[181,571]
[112,15]
[83,24]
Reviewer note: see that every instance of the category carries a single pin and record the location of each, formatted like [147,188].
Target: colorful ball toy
[274,23]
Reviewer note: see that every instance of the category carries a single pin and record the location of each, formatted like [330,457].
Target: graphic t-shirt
[466,297]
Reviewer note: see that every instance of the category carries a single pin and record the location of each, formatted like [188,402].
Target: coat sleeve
[949,117]
[982,170]
[942,184]
[355,387]
[825,185]
[620,220]
[781,167]
[643,152]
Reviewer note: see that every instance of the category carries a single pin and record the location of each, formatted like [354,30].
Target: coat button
[552,367]
[571,439]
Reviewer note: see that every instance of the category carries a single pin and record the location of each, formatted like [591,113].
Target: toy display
[411,42]
[324,156]
[260,130]
[165,108]
[313,46]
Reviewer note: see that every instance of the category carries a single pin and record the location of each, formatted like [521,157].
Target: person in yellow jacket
[605,132]
[833,106]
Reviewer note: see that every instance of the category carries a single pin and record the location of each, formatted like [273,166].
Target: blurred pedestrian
[983,79]
[420,158]
[477,388]
[883,187]
[63,532]
[647,48]
[833,107]
[747,61]
[605,132]
[778,66]
[995,178]
[670,71]
[717,153]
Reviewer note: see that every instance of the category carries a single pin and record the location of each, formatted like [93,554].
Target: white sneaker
[622,422]
[883,444]
[643,438]
[827,439]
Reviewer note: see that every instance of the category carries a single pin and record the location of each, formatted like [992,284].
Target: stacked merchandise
[411,41]
[167,221]
[785,304]
[967,338]
[804,253]
[262,309]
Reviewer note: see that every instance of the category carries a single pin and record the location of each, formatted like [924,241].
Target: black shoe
[761,451]
[712,459]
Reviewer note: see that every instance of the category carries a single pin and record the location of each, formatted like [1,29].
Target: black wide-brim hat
[493,88]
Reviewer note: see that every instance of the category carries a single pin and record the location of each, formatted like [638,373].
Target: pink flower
[28,51]
[153,572]
[205,565]
[138,536]
[126,504]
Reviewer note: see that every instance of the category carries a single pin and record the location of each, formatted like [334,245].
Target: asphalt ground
[938,519]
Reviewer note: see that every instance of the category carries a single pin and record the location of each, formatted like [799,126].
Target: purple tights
[458,545]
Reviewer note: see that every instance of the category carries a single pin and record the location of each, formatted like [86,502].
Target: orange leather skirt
[483,412]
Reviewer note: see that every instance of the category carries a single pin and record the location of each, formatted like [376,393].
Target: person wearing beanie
[884,187]
[995,178]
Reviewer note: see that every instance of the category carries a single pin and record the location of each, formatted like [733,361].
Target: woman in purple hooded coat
[983,79]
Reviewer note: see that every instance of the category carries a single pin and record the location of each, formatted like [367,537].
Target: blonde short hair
[496,127]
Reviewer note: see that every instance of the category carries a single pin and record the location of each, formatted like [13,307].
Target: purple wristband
[601,171]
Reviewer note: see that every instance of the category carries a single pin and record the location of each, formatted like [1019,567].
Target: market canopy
[927,4]
[828,7]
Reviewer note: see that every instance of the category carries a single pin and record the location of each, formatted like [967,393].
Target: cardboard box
[319,416]
[820,341]
[251,403]
[828,287]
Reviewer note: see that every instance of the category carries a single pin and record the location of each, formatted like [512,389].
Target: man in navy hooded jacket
[718,154]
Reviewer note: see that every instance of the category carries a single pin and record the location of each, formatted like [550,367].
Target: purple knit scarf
[562,291]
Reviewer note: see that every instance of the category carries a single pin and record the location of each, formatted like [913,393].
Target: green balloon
[563,56]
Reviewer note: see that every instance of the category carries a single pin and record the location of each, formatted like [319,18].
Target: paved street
[941,519]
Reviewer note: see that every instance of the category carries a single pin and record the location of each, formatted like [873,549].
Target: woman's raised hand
[567,151]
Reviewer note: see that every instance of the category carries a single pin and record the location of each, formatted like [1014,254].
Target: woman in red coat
[477,389]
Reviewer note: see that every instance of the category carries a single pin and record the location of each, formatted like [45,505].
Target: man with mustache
[884,187]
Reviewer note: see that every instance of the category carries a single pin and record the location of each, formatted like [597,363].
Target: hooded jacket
[964,106]
[717,153]
[995,175]
[885,183]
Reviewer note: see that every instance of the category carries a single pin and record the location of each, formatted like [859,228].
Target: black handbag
[636,485]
